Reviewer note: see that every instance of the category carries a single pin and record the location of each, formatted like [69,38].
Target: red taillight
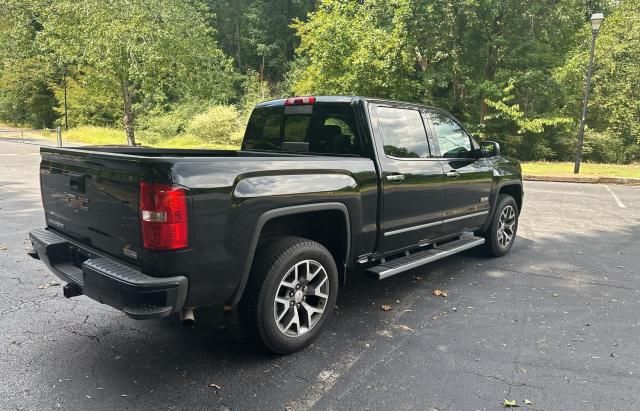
[163,212]
[298,101]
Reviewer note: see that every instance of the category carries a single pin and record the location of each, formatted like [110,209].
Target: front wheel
[291,293]
[501,234]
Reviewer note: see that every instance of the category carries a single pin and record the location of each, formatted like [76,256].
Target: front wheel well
[515,191]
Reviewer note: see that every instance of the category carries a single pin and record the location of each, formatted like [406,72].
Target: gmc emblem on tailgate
[77,202]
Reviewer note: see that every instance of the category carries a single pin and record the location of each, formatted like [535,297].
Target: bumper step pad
[144,311]
[109,281]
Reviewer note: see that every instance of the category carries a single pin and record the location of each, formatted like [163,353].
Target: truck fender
[494,201]
[285,211]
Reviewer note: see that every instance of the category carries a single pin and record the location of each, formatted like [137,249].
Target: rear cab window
[319,128]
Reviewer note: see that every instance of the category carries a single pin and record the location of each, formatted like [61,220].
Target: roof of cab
[346,99]
[319,99]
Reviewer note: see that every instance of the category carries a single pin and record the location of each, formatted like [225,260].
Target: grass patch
[565,169]
[91,135]
[190,141]
[98,136]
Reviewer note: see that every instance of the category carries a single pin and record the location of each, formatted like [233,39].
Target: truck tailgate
[92,199]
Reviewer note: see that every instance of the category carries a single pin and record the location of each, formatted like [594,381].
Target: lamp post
[596,21]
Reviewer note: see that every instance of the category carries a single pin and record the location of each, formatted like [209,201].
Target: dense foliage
[512,70]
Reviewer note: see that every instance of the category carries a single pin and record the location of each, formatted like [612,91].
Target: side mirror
[489,148]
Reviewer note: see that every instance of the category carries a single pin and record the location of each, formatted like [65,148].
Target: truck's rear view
[102,216]
[321,184]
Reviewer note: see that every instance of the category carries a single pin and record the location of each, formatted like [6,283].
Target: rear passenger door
[412,181]
[468,176]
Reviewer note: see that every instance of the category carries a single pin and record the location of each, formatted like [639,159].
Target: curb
[588,180]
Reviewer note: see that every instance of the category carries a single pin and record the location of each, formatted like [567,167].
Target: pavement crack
[303,379]
[509,384]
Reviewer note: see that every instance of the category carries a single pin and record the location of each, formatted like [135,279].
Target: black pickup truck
[320,186]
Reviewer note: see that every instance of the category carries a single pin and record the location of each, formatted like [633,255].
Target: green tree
[25,97]
[257,33]
[353,48]
[614,105]
[490,62]
[142,50]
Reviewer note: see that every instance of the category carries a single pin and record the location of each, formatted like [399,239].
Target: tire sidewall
[497,249]
[271,335]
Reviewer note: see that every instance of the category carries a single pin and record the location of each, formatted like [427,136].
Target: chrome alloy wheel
[301,298]
[506,226]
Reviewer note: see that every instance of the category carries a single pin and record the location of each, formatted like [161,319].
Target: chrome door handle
[453,174]
[395,177]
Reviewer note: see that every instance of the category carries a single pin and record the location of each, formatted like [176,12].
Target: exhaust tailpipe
[187,317]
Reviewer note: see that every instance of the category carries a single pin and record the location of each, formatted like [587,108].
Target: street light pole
[596,21]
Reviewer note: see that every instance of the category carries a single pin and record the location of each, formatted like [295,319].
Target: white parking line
[324,382]
[615,197]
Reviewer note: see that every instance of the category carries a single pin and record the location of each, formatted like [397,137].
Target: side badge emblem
[129,253]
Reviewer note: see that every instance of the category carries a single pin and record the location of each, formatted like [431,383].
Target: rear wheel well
[515,191]
[327,227]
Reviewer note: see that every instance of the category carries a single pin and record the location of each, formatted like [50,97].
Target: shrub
[219,124]
[608,146]
[173,122]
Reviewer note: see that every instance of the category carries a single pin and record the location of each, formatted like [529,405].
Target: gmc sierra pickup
[321,185]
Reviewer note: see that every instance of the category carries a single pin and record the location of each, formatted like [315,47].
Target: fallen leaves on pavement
[385,333]
[47,285]
[509,403]
[440,293]
[528,402]
[405,328]
[386,307]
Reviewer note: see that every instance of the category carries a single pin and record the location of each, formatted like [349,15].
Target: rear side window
[403,133]
[321,128]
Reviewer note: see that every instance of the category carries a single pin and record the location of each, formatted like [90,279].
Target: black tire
[258,309]
[495,243]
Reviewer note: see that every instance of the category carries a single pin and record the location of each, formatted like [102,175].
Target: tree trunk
[489,75]
[66,116]
[483,110]
[129,117]
[236,33]
[288,11]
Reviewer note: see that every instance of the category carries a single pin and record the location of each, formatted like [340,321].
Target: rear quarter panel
[230,195]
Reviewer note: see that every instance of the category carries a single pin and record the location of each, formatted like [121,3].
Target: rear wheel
[501,234]
[291,293]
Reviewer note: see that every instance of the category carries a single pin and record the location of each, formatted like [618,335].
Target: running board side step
[399,265]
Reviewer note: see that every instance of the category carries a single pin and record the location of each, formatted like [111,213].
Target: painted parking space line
[615,197]
[324,382]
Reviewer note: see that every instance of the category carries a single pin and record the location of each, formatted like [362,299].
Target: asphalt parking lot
[556,322]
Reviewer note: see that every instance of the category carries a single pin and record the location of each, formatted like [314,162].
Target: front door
[468,176]
[412,180]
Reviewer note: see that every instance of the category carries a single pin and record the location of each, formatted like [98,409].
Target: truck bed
[175,152]
[91,196]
